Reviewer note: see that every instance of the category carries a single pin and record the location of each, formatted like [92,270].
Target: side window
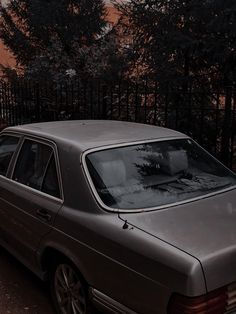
[32,164]
[36,168]
[8,145]
[50,182]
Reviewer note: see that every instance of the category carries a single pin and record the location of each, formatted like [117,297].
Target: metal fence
[208,116]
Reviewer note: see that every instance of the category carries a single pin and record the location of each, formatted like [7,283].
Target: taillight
[212,303]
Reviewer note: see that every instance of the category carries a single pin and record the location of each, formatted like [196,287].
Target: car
[119,217]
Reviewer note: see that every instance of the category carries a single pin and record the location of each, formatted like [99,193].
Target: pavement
[21,292]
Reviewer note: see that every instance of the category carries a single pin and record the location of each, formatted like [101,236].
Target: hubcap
[69,291]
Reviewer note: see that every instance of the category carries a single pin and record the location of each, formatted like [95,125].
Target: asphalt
[20,291]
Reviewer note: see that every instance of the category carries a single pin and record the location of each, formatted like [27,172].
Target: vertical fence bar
[78,98]
[226,134]
[233,130]
[7,104]
[29,109]
[72,99]
[155,104]
[104,101]
[202,111]
[217,121]
[119,99]
[38,103]
[189,122]
[167,91]
[111,100]
[9,109]
[85,110]
[66,100]
[91,116]
[136,102]
[99,100]
[127,102]
[4,104]
[145,99]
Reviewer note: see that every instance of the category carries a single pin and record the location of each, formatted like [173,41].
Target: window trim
[58,168]
[148,209]
[15,154]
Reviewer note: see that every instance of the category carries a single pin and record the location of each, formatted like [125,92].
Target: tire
[68,290]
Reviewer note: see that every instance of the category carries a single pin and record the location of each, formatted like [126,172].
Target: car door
[32,197]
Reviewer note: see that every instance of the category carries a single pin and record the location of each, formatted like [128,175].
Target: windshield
[156,174]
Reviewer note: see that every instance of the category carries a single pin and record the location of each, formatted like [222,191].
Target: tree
[48,38]
[189,47]
[181,41]
[108,59]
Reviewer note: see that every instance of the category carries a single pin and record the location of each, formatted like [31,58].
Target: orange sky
[113,14]
[8,60]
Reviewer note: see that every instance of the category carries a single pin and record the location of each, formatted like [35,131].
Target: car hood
[205,229]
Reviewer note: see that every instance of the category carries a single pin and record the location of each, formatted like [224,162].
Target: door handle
[44,215]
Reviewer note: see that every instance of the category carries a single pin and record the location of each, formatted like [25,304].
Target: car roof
[88,134]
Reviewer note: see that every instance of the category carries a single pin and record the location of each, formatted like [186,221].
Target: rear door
[32,197]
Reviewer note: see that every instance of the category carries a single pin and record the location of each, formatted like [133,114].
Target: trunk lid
[205,229]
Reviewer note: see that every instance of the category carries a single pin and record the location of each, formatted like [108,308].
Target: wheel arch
[52,254]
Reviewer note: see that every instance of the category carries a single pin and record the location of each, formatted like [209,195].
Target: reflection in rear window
[156,174]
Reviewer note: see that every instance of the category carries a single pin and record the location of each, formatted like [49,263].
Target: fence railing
[209,117]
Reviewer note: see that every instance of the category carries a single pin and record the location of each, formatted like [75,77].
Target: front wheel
[68,290]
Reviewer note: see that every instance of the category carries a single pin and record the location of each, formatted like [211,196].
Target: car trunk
[205,229]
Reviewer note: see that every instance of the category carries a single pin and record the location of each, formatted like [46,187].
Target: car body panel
[114,260]
[205,229]
[88,134]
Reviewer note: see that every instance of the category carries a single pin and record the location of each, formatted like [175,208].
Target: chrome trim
[109,303]
[150,209]
[56,155]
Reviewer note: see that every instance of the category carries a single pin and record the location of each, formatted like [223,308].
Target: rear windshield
[156,174]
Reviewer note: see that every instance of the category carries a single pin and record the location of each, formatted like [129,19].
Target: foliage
[109,59]
[56,39]
[186,46]
[180,41]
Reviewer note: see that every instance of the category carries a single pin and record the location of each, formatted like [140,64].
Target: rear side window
[8,145]
[36,168]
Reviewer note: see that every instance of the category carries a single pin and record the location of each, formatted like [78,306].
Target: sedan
[120,217]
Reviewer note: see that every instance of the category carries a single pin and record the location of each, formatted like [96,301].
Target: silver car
[122,217]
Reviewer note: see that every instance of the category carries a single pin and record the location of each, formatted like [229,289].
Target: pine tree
[188,46]
[180,41]
[50,38]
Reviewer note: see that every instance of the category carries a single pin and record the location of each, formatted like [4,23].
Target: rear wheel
[68,290]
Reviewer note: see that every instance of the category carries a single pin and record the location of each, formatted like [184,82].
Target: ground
[20,291]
